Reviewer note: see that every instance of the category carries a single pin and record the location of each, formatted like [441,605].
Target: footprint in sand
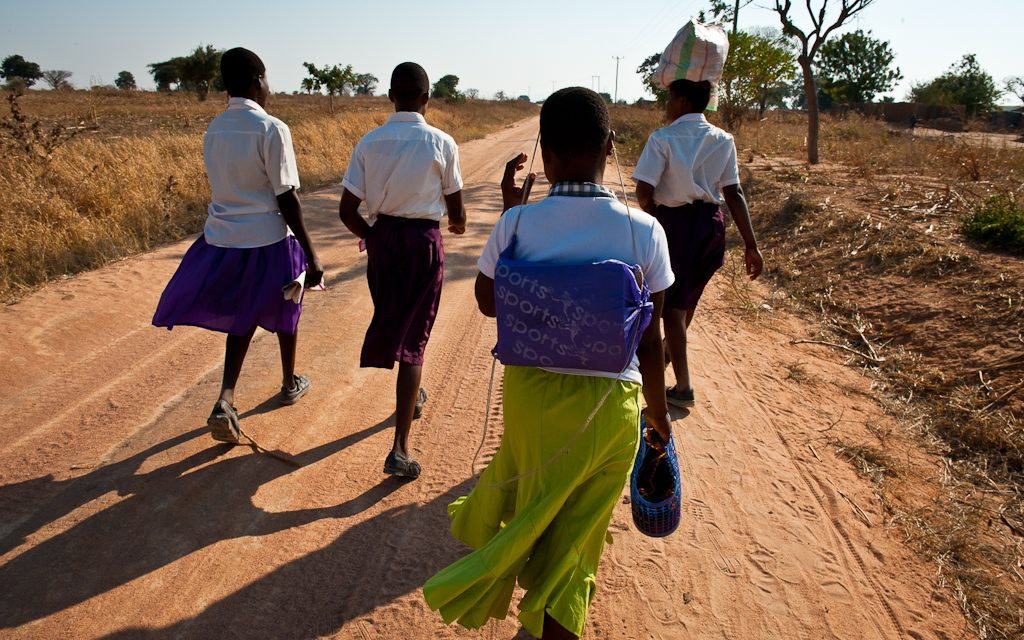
[651,581]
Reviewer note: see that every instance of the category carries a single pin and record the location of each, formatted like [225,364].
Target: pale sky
[526,47]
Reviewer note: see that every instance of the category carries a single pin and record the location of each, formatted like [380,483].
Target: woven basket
[655,519]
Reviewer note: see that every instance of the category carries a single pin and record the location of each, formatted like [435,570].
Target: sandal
[300,385]
[398,465]
[420,401]
[683,399]
[223,423]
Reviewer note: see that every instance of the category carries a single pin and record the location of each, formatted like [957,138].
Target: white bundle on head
[696,53]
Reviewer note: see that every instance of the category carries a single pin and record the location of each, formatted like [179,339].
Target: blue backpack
[570,316]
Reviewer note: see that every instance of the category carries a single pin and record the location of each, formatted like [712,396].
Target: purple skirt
[696,249]
[233,290]
[405,270]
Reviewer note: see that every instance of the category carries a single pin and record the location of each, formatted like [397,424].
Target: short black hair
[698,94]
[574,122]
[239,68]
[408,82]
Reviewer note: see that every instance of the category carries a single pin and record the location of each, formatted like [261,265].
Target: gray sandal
[420,401]
[398,465]
[291,395]
[223,423]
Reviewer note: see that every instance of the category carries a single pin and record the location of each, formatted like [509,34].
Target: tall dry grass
[133,178]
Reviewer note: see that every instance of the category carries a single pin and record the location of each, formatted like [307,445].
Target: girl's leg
[407,390]
[287,342]
[234,356]
[555,631]
[676,322]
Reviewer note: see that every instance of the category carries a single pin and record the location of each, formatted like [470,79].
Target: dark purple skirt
[233,290]
[696,249]
[405,269]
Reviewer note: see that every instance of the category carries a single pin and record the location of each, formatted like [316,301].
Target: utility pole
[616,99]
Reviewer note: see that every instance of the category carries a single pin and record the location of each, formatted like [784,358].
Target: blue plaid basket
[655,519]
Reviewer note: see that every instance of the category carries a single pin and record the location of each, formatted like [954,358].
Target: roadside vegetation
[87,177]
[904,247]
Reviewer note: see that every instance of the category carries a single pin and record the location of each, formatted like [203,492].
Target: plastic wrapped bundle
[697,52]
[654,487]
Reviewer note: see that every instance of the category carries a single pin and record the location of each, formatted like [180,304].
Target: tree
[500,95]
[199,71]
[365,84]
[1015,85]
[856,67]
[965,84]
[447,88]
[334,79]
[15,66]
[810,41]
[57,79]
[472,94]
[125,81]
[646,71]
[758,69]
[721,10]
[604,94]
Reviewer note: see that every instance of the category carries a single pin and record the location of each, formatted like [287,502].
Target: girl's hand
[755,262]
[314,273]
[511,195]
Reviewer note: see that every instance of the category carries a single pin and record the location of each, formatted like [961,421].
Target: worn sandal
[398,465]
[223,423]
[420,401]
[300,385]
[683,399]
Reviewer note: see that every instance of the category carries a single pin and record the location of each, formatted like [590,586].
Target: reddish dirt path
[122,519]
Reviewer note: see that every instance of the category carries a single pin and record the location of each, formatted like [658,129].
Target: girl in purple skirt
[254,243]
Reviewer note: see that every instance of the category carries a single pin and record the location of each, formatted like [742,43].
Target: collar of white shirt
[244,103]
[690,117]
[406,116]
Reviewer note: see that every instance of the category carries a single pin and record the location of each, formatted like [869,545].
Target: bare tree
[810,40]
[57,79]
[1015,85]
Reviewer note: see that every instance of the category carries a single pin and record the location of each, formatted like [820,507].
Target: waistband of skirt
[422,223]
[698,206]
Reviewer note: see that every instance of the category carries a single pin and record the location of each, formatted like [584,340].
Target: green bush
[999,223]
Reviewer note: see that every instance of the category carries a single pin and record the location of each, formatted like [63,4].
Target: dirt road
[121,518]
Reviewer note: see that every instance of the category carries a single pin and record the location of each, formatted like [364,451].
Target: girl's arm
[645,196]
[741,216]
[651,355]
[291,211]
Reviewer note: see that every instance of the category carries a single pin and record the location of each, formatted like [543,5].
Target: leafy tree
[721,10]
[856,67]
[365,84]
[604,94]
[757,70]
[199,72]
[447,88]
[646,71]
[125,81]
[334,79]
[1015,85]
[965,84]
[57,79]
[15,66]
[810,40]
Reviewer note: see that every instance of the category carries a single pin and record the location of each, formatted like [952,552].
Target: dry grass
[870,244]
[125,170]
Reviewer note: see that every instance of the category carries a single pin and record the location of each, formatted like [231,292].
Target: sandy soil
[122,519]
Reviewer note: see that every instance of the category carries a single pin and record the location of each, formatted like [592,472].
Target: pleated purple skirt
[233,290]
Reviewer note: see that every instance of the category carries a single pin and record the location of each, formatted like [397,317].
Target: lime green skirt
[547,528]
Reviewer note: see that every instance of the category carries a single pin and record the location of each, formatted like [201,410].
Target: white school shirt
[404,168]
[249,162]
[688,160]
[573,229]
